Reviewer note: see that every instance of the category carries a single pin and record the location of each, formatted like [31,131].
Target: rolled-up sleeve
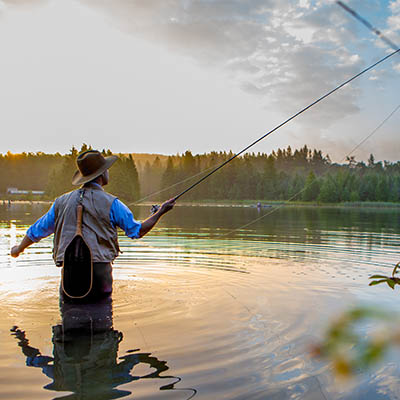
[121,216]
[43,227]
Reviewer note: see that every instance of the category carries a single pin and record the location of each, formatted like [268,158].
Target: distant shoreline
[22,201]
[273,204]
[244,203]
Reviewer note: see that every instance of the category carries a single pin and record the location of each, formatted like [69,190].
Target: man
[102,214]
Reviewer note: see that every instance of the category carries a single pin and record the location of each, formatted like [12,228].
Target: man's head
[91,165]
[103,178]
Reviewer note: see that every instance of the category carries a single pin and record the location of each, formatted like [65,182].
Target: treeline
[124,178]
[53,173]
[303,174]
[28,171]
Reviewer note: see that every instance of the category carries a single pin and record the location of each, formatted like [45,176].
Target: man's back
[97,229]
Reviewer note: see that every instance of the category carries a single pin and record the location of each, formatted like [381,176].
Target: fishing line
[375,130]
[269,132]
[358,17]
[391,44]
[387,41]
[307,186]
[171,186]
[288,120]
[366,23]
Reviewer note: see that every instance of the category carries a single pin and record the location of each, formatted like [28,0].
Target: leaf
[377,282]
[373,352]
[378,277]
[342,367]
[391,283]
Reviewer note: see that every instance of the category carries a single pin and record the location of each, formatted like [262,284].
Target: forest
[303,174]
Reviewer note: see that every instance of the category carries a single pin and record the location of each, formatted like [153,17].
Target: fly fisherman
[102,214]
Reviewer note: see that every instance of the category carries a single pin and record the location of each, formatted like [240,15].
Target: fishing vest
[99,234]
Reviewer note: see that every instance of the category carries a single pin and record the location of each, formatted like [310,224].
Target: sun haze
[164,77]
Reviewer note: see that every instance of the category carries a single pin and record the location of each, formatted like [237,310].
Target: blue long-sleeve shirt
[120,215]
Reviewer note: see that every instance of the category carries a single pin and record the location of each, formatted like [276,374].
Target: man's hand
[148,224]
[15,251]
[167,206]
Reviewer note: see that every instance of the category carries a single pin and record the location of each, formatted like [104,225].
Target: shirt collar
[93,185]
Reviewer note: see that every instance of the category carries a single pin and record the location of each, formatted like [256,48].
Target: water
[199,311]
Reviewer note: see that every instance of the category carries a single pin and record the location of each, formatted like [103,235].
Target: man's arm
[121,215]
[149,223]
[43,227]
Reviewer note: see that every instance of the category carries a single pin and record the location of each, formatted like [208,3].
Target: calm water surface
[199,311]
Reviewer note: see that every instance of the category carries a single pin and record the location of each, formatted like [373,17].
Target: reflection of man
[85,355]
[103,213]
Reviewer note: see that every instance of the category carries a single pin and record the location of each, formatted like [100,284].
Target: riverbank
[6,202]
[275,203]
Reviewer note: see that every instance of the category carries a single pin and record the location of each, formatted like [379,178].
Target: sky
[166,76]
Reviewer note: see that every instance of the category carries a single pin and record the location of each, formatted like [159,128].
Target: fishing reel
[154,208]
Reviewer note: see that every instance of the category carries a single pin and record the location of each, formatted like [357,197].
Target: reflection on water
[353,235]
[85,356]
[234,314]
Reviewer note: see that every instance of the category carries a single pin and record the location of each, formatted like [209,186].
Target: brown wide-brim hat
[91,164]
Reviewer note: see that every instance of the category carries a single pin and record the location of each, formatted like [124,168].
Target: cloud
[394,6]
[226,67]
[393,22]
[286,52]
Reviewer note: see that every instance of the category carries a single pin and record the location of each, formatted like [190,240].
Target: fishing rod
[288,120]
[376,31]
[347,9]
[307,186]
[367,24]
[387,41]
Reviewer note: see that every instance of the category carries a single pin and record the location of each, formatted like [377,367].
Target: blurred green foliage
[349,348]
[348,345]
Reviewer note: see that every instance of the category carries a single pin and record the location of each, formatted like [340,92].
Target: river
[200,309]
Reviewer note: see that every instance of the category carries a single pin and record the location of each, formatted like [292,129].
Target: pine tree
[328,193]
[269,179]
[311,188]
[382,189]
[169,178]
